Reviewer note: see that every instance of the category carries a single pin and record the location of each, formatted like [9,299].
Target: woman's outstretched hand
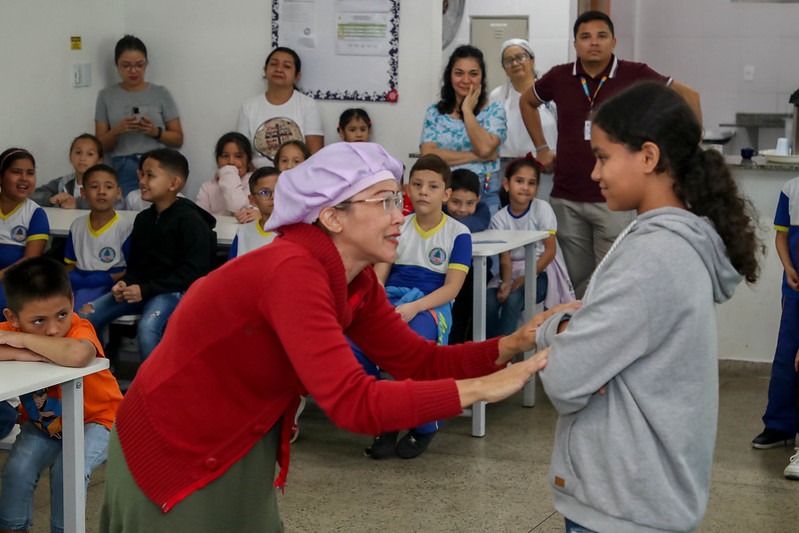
[523,339]
[501,384]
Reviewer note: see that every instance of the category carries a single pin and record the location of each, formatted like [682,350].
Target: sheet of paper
[363,34]
[298,24]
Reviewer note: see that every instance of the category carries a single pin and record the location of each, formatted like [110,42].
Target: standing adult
[282,113]
[134,116]
[518,61]
[192,420]
[463,128]
[586,227]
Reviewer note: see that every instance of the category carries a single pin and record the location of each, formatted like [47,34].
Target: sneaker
[295,428]
[792,470]
[771,438]
[414,444]
[383,446]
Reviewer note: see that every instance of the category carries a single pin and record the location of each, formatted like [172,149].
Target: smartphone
[136,112]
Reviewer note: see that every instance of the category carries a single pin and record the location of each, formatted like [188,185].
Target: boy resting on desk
[98,243]
[433,258]
[171,246]
[42,327]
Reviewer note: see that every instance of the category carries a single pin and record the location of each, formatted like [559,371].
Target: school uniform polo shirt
[563,85]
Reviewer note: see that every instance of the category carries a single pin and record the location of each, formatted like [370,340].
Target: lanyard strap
[585,89]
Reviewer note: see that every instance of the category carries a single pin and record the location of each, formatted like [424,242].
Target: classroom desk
[486,244]
[17,378]
[61,219]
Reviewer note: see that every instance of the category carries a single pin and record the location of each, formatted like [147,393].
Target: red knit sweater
[252,336]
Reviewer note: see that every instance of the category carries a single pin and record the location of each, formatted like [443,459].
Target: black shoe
[771,438]
[383,446]
[414,444]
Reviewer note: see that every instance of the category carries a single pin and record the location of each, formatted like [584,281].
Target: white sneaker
[792,470]
[295,428]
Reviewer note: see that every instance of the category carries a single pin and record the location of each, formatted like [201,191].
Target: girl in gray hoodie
[637,456]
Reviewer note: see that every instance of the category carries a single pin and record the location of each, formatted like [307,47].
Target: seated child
[505,294]
[98,243]
[65,192]
[171,245]
[433,258]
[24,229]
[226,194]
[262,195]
[42,327]
[290,154]
[464,205]
[354,125]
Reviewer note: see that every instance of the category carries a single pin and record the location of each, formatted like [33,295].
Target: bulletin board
[349,48]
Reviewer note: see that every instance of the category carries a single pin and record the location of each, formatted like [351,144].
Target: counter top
[759,163]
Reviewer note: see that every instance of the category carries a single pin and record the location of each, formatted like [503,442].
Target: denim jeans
[127,169]
[155,313]
[32,452]
[574,527]
[503,318]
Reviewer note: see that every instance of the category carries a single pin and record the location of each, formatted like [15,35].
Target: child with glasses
[433,258]
[262,195]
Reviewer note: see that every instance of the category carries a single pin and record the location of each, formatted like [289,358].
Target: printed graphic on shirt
[273,133]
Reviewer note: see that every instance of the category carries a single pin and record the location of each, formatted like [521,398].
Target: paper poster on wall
[349,48]
[362,34]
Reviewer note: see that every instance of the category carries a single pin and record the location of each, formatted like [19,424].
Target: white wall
[549,23]
[707,44]
[216,62]
[39,108]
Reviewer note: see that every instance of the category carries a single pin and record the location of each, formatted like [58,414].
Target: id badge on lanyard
[587,125]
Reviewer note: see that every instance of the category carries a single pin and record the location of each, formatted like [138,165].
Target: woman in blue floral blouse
[464,128]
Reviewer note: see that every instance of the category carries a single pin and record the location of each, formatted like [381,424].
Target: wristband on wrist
[539,148]
[159,133]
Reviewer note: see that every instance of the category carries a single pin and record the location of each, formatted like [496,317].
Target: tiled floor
[498,483]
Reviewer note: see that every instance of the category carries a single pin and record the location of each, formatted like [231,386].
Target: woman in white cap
[209,413]
[518,60]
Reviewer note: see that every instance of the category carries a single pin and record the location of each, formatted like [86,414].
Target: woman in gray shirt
[134,116]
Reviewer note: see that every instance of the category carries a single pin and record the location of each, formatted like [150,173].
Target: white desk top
[496,241]
[61,219]
[18,377]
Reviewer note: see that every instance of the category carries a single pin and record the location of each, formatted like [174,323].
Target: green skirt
[241,499]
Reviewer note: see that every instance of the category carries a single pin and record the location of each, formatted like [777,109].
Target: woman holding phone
[134,116]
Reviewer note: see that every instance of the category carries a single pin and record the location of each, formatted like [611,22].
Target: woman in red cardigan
[199,430]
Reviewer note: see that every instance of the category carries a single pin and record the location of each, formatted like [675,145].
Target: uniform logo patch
[107,254]
[19,233]
[437,256]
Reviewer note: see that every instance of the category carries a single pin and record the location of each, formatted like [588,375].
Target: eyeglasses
[133,66]
[518,58]
[266,193]
[389,201]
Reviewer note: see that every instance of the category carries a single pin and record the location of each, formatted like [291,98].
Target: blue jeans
[155,313]
[574,527]
[503,318]
[32,452]
[127,169]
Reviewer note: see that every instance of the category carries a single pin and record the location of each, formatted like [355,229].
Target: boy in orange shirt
[42,327]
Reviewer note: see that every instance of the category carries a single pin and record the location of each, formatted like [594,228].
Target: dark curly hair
[651,112]
[446,104]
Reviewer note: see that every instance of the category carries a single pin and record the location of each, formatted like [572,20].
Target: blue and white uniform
[781,413]
[424,257]
[249,237]
[96,255]
[539,216]
[25,223]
